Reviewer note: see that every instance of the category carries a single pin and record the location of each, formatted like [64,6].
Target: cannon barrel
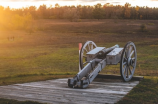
[105,51]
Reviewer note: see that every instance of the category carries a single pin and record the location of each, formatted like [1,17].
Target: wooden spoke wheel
[88,46]
[128,61]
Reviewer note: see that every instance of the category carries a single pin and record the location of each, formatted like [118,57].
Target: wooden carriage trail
[57,92]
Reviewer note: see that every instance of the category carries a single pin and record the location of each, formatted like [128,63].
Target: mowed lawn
[51,49]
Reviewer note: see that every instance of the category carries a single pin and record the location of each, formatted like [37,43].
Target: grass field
[51,49]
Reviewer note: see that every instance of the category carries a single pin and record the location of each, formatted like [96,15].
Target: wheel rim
[88,46]
[128,61]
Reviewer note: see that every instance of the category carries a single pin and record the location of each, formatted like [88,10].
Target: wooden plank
[39,91]
[57,92]
[58,83]
[135,78]
[73,94]
[112,87]
[73,91]
[66,97]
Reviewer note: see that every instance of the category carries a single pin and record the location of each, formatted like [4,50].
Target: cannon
[93,59]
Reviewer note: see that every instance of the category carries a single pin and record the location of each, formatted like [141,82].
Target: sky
[26,3]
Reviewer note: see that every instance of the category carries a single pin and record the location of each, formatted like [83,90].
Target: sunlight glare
[20,4]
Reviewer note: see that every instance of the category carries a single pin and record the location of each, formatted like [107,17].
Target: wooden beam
[135,78]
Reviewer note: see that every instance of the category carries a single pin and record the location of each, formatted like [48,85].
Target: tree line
[74,13]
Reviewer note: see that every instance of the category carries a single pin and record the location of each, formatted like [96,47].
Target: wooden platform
[57,92]
[105,76]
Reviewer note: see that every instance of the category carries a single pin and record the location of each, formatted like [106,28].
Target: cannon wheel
[88,46]
[128,61]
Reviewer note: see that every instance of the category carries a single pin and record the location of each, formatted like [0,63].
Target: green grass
[37,61]
[144,93]
[53,52]
[7,101]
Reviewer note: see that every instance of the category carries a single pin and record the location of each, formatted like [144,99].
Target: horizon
[26,3]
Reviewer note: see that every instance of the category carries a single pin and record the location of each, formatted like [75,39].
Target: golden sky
[26,3]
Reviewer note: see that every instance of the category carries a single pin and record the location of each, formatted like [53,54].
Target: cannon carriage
[93,59]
